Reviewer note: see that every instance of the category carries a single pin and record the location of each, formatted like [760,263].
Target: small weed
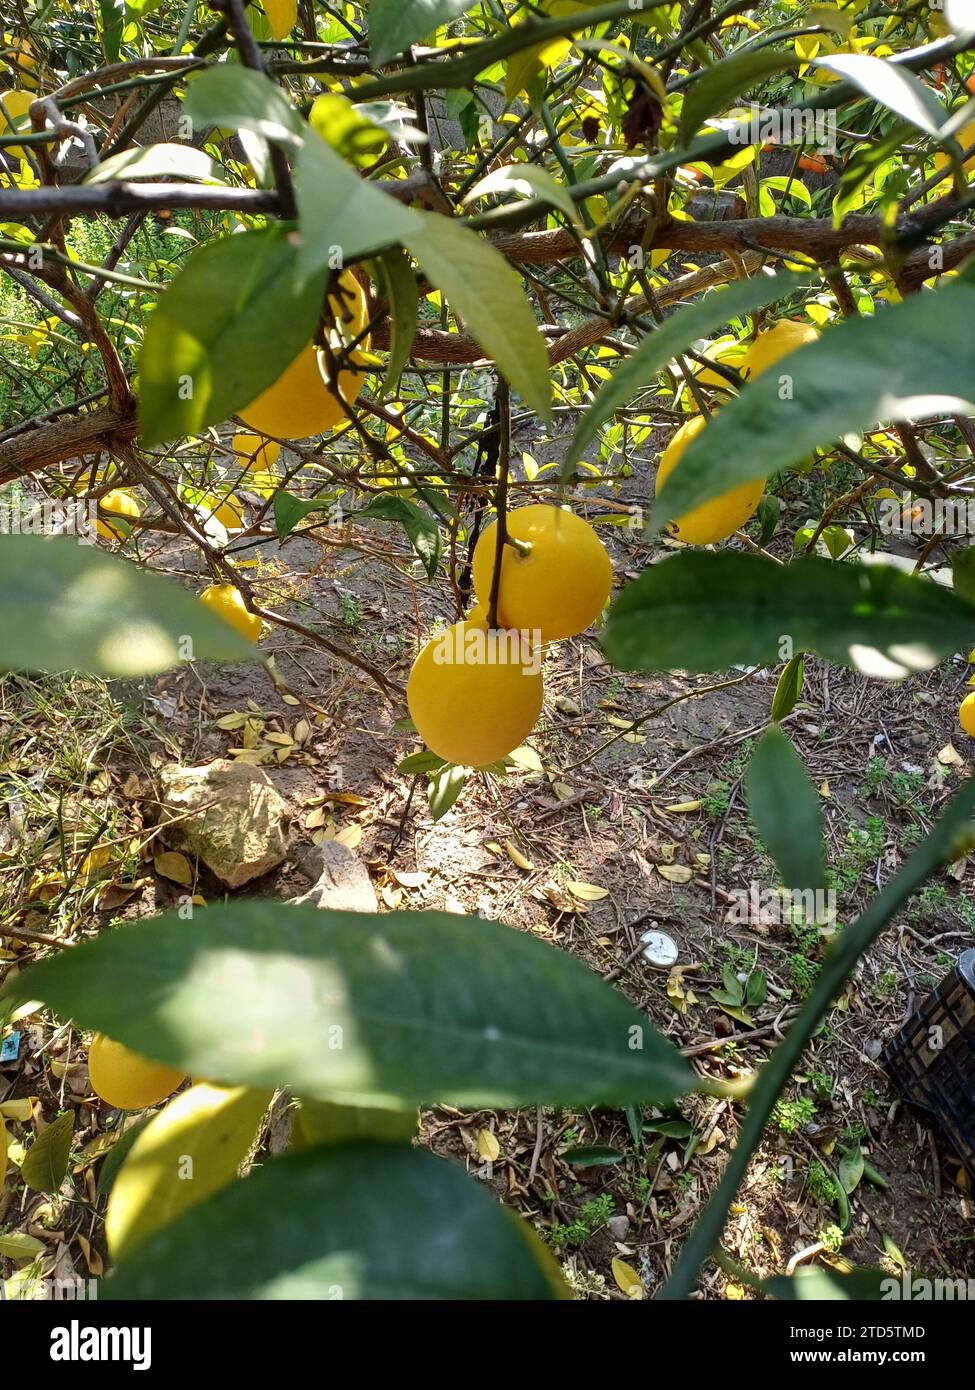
[793,1115]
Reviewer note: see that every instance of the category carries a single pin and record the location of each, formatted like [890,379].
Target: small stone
[343,883]
[618,1227]
[228,814]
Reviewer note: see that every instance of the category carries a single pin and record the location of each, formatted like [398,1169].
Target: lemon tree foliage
[705,611]
[341,274]
[317,1225]
[67,607]
[355,1009]
[785,810]
[207,353]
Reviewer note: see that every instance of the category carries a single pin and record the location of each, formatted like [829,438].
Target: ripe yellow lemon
[125,1080]
[19,52]
[226,508]
[14,107]
[474,695]
[254,453]
[118,502]
[966,714]
[729,355]
[559,586]
[723,515]
[228,603]
[302,401]
[782,338]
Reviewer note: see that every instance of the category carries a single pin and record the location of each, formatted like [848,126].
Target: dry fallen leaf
[175,866]
[627,1279]
[950,757]
[675,873]
[350,836]
[232,721]
[587,892]
[516,856]
[487,1145]
[409,878]
[132,787]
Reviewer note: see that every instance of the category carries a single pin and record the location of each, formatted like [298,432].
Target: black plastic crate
[931,1060]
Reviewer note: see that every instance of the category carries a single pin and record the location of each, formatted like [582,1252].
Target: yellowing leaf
[487,1145]
[190,1150]
[627,1279]
[21,1110]
[175,866]
[587,892]
[17,1245]
[516,856]
[675,873]
[282,16]
[527,758]
[682,807]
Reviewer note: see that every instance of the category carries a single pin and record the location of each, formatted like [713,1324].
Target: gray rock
[342,883]
[236,822]
[618,1227]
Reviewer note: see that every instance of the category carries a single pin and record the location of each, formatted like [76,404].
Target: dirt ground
[583,846]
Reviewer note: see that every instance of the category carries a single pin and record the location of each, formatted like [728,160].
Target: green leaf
[531,181]
[424,761]
[785,811]
[445,787]
[342,215]
[912,359]
[658,348]
[69,607]
[354,1221]
[46,1161]
[224,330]
[400,292]
[724,81]
[395,24]
[756,989]
[703,611]
[482,289]
[289,510]
[850,1169]
[819,1283]
[116,1155]
[863,165]
[892,85]
[362,1010]
[156,161]
[237,97]
[670,1129]
[592,1155]
[769,511]
[318,1122]
[112,16]
[789,686]
[423,531]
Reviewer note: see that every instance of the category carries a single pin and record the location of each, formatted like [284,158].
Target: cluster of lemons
[725,514]
[475,693]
